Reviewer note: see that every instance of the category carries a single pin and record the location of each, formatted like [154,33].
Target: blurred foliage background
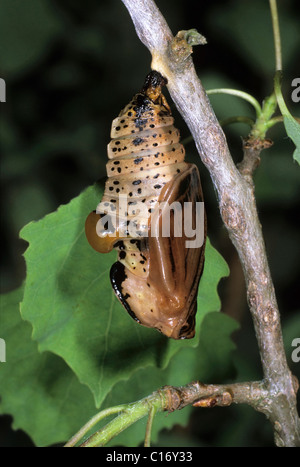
[69,68]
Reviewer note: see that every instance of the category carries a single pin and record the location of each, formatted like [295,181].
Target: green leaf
[26,30]
[293,131]
[74,313]
[41,393]
[211,361]
[47,401]
[61,267]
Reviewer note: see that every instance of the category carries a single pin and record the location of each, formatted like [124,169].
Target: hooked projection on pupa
[156,277]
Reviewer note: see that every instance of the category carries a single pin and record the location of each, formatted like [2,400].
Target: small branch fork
[169,399]
[235,191]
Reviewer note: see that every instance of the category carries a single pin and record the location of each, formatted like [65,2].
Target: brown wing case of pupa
[156,277]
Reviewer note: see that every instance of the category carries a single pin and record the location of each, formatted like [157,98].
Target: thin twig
[151,415]
[169,399]
[276,33]
[238,209]
[236,119]
[251,159]
[238,93]
[134,412]
[92,422]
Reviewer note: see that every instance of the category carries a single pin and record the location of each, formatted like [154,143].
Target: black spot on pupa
[120,245]
[138,160]
[117,278]
[136,182]
[137,141]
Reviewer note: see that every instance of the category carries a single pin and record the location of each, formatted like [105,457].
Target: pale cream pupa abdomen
[156,277]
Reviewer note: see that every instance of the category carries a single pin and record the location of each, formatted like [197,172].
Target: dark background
[69,67]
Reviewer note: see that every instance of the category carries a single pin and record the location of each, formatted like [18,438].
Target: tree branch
[211,395]
[251,159]
[237,207]
[169,398]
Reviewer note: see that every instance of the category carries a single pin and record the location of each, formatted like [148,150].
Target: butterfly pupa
[156,276]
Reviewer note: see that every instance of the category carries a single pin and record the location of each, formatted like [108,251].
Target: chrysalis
[157,274]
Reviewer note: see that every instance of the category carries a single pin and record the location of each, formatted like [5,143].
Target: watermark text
[131,219]
[296,92]
[296,351]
